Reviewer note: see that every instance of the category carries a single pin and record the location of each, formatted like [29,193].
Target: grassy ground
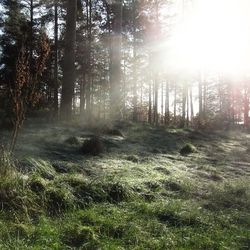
[140,193]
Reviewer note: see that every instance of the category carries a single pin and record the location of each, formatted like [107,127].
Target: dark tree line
[108,60]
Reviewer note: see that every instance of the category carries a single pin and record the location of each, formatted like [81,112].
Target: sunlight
[213,36]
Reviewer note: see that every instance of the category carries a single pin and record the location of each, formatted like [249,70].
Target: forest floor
[140,193]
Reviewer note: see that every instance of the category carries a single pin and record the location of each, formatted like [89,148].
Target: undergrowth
[133,201]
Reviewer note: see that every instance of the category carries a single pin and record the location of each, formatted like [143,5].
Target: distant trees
[109,60]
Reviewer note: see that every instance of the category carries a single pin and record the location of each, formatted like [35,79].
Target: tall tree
[115,62]
[68,82]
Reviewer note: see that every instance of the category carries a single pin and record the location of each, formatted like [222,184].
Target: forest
[124,124]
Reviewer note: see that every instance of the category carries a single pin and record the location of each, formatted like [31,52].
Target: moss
[173,185]
[72,141]
[114,132]
[133,158]
[188,149]
[61,168]
[93,146]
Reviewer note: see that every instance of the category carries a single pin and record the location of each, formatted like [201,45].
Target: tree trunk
[167,113]
[200,95]
[246,107]
[82,97]
[115,79]
[191,104]
[175,102]
[69,61]
[156,89]
[134,63]
[150,104]
[56,60]
[184,102]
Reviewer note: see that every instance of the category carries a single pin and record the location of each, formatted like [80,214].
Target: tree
[69,61]
[115,61]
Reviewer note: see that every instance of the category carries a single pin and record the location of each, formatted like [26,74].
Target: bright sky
[213,35]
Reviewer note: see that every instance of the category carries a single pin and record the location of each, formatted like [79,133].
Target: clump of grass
[80,236]
[37,184]
[43,168]
[58,200]
[117,192]
[10,182]
[15,196]
[229,195]
[153,185]
[94,192]
[188,149]
[23,230]
[93,146]
[62,168]
[173,185]
[73,141]
[114,132]
[133,158]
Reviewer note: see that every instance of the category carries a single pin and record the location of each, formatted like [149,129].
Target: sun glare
[214,35]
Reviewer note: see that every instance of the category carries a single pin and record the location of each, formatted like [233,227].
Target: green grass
[130,197]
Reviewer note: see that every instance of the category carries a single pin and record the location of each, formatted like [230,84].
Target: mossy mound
[61,168]
[37,184]
[72,141]
[58,200]
[118,192]
[188,149]
[78,235]
[93,146]
[133,158]
[115,132]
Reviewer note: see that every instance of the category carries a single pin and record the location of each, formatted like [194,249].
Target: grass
[129,197]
